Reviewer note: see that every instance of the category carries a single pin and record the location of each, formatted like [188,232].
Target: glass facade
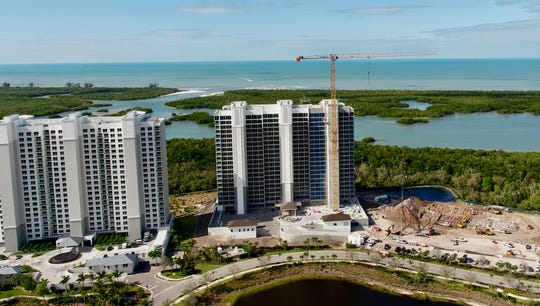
[317,157]
[346,155]
[224,163]
[301,156]
[303,131]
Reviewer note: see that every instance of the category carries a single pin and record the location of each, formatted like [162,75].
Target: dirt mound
[413,213]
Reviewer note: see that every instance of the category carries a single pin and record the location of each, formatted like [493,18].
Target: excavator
[389,230]
[464,219]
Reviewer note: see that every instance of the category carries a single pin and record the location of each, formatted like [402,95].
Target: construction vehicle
[484,231]
[333,116]
[496,211]
[464,219]
[427,232]
[390,229]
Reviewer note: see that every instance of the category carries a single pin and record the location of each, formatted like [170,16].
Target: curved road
[169,290]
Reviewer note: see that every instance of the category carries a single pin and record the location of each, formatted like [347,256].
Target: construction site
[492,232]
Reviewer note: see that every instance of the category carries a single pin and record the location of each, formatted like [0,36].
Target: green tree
[116,275]
[155,254]
[65,281]
[42,288]
[82,277]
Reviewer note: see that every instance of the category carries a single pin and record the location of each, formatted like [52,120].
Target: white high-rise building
[81,175]
[277,153]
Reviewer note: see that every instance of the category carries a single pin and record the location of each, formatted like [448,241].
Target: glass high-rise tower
[79,175]
[275,153]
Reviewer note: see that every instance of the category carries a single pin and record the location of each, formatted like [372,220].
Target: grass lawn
[14,292]
[205,266]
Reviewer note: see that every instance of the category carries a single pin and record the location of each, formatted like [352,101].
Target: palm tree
[289,259]
[116,275]
[101,275]
[307,243]
[92,277]
[154,254]
[65,281]
[43,288]
[81,278]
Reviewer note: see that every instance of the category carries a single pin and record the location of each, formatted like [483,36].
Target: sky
[60,31]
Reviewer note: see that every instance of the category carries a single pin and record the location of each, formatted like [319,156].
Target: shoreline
[375,277]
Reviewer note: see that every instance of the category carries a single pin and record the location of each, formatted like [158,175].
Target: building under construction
[280,153]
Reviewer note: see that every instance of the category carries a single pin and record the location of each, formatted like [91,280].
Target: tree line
[492,177]
[385,103]
[42,101]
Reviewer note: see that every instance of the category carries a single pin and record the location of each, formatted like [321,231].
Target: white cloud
[209,10]
[532,6]
[503,31]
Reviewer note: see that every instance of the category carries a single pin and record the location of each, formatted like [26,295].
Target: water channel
[490,131]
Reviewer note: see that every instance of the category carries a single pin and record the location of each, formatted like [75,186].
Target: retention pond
[315,292]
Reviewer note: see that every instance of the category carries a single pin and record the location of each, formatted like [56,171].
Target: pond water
[323,292]
[424,193]
[417,105]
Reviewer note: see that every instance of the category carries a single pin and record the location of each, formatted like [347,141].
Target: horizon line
[267,60]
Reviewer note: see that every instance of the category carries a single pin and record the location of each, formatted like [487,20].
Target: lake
[489,131]
[324,292]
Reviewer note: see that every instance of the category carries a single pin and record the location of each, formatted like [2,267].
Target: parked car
[508,244]
[461,239]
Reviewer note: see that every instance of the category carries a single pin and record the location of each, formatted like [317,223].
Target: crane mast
[333,198]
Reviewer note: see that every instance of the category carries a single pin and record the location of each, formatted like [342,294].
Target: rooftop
[114,260]
[336,217]
[242,222]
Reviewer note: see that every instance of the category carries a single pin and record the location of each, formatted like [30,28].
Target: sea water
[517,132]
[466,74]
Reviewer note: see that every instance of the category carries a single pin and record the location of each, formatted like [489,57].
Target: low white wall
[301,237]
[243,232]
[218,231]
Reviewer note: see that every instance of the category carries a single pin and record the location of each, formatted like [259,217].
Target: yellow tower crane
[333,117]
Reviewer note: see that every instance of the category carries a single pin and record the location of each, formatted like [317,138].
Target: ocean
[490,131]
[454,74]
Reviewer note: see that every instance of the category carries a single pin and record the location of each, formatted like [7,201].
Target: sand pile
[413,213]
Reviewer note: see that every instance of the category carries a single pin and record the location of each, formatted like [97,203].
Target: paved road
[165,290]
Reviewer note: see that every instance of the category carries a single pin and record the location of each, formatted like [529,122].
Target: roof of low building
[336,217]
[68,242]
[288,206]
[10,270]
[242,222]
[113,260]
